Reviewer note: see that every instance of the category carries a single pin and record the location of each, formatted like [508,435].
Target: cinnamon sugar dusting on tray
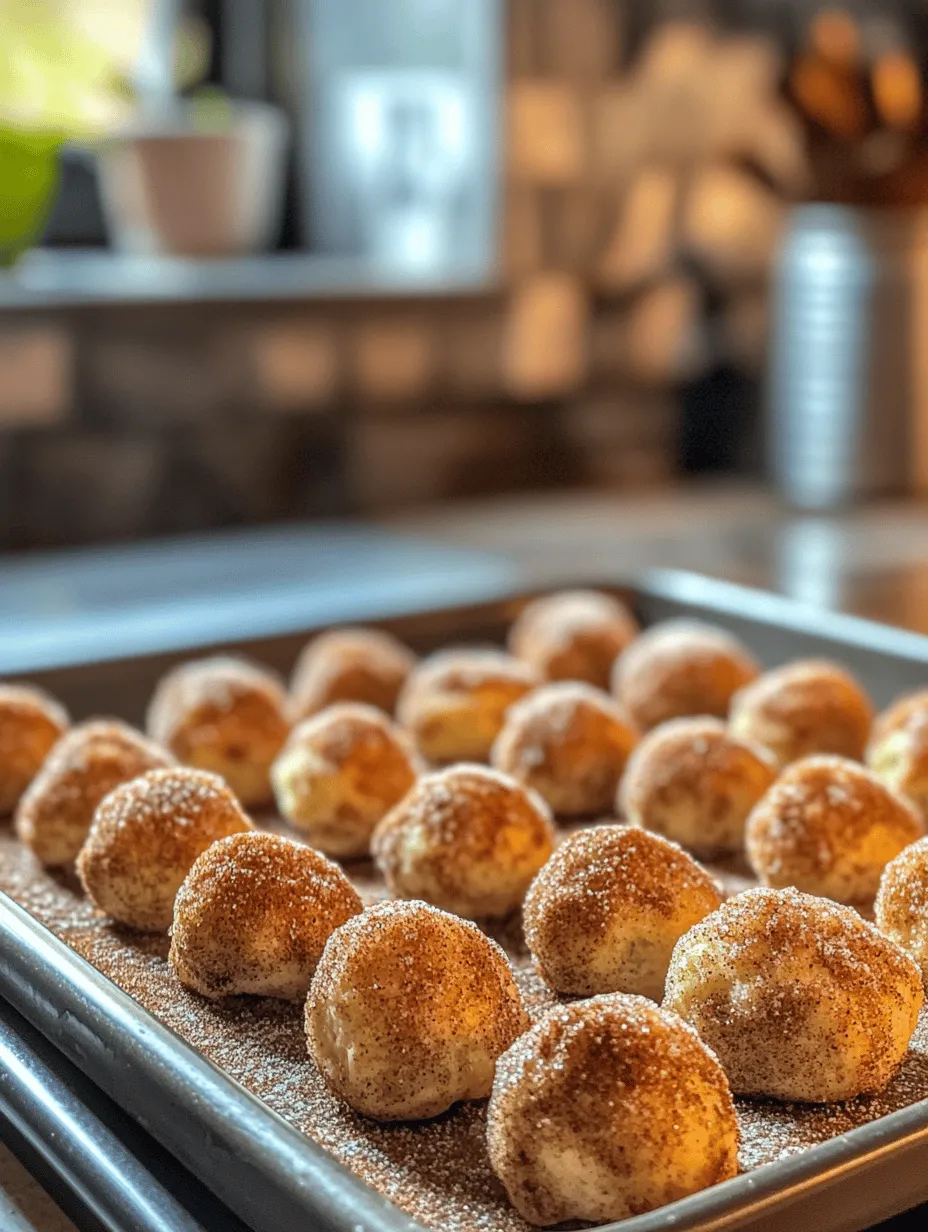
[436,1171]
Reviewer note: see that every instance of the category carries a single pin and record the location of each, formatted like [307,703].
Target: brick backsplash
[118,422]
[297,366]
[36,375]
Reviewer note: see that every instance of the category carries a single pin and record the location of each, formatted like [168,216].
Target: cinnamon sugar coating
[573,635]
[408,1011]
[569,742]
[800,709]
[898,749]
[679,668]
[56,810]
[339,773]
[31,721]
[898,714]
[799,997]
[607,1109]
[466,839]
[225,715]
[253,916]
[696,783]
[349,665]
[454,703]
[901,907]
[828,826]
[145,837]
[605,912]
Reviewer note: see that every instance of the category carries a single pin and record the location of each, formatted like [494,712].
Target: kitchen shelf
[69,278]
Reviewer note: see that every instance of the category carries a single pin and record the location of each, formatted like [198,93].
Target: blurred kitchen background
[286,259]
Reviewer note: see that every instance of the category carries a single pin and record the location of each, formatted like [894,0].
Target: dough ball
[901,908]
[253,916]
[56,810]
[804,708]
[692,780]
[605,912]
[467,839]
[145,837]
[349,665]
[569,742]
[898,749]
[454,703]
[680,668]
[905,709]
[408,1010]
[31,722]
[573,635]
[606,1109]
[798,997]
[225,715]
[339,773]
[829,827]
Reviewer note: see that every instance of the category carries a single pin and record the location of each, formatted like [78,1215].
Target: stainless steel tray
[275,1178]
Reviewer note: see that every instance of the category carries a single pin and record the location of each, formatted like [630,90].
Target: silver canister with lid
[848,396]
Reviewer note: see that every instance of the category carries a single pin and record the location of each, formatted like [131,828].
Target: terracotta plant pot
[177,188]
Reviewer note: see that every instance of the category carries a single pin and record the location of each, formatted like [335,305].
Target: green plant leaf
[28,177]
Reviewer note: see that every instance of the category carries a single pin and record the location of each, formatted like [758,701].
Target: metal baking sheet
[278,1180]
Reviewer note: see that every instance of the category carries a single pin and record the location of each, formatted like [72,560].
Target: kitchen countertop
[872,561]
[24,1204]
[107,602]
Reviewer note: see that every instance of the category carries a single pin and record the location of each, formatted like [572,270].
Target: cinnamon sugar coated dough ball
[569,742]
[695,782]
[605,912]
[467,839]
[901,908]
[145,837]
[350,665]
[339,773]
[609,1108]
[680,668]
[829,827]
[454,703]
[409,1009]
[804,708]
[898,749]
[573,635]
[798,997]
[31,721]
[904,710]
[56,810]
[253,916]
[225,715]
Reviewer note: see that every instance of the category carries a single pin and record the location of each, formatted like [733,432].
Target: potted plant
[63,69]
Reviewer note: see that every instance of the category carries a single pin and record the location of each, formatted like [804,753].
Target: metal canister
[845,378]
